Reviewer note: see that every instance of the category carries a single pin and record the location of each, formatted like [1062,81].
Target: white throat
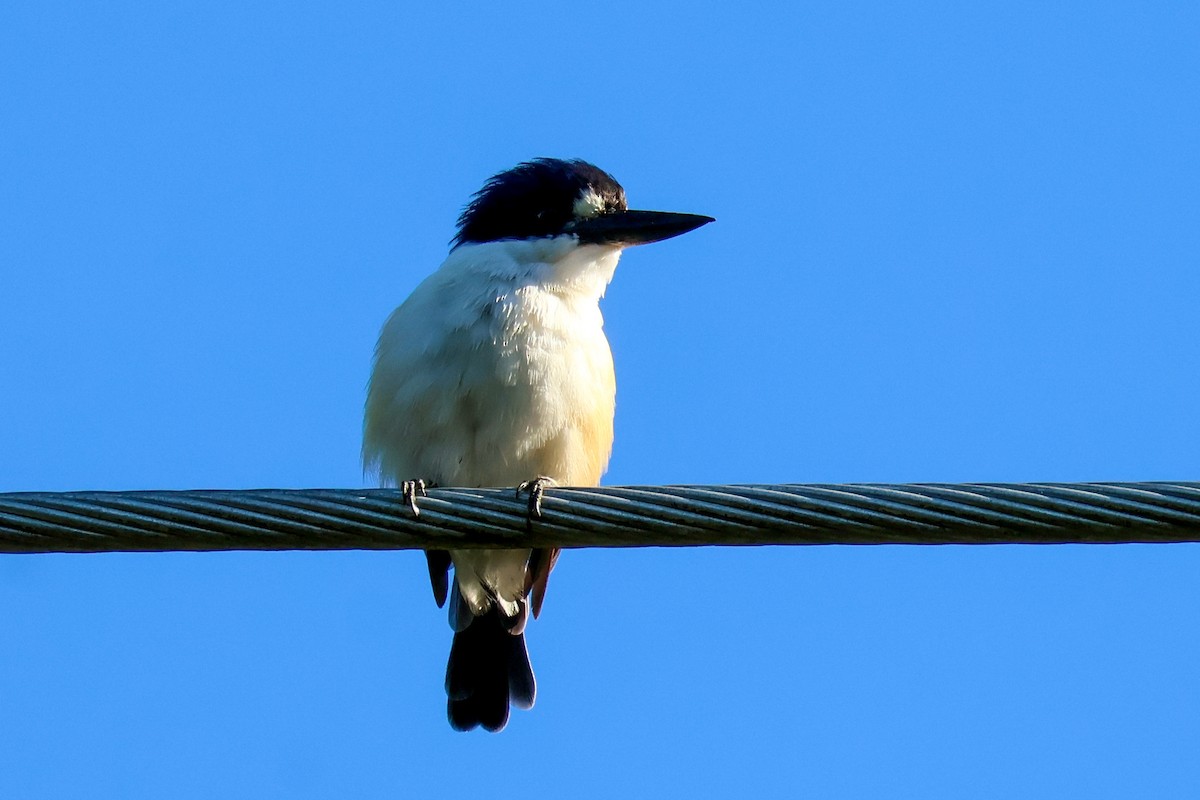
[560,264]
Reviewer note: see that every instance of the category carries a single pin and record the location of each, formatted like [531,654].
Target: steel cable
[633,516]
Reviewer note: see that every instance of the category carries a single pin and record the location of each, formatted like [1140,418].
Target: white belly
[491,380]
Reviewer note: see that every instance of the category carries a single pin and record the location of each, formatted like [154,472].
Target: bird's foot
[410,490]
[536,488]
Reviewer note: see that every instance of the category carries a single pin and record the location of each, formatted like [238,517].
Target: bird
[496,372]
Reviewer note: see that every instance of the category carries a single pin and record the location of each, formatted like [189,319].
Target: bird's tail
[488,670]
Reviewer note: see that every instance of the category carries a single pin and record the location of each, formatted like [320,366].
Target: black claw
[536,489]
[410,490]
[535,499]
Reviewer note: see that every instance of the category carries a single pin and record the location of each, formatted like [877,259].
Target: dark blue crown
[535,199]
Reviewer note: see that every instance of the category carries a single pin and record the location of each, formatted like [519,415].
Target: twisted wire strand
[631,516]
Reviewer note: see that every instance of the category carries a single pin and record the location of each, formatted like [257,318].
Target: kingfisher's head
[550,197]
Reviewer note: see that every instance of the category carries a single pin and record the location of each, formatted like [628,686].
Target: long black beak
[627,228]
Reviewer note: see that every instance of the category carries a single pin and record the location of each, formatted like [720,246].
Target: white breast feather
[494,371]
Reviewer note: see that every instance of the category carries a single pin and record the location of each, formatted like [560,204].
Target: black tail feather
[488,668]
[522,688]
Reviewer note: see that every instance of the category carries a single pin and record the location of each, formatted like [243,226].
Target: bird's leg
[410,490]
[536,488]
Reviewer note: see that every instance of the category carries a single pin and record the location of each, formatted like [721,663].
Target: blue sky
[955,242]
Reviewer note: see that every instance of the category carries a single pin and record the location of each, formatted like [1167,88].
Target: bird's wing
[541,561]
[439,574]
